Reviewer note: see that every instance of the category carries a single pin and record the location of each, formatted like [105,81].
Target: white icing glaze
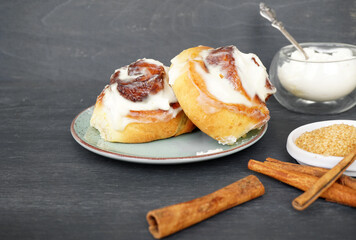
[124,74]
[221,88]
[227,140]
[117,107]
[210,151]
[124,70]
[252,77]
[178,68]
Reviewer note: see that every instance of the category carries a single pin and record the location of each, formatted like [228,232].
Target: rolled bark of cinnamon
[323,183]
[348,181]
[168,220]
[315,171]
[336,193]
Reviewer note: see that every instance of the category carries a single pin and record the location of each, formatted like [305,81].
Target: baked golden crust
[140,132]
[224,122]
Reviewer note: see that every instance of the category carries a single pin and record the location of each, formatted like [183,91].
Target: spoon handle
[270,15]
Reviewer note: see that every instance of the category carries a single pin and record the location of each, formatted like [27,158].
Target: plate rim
[160,160]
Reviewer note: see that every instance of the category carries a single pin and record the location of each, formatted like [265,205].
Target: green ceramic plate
[190,147]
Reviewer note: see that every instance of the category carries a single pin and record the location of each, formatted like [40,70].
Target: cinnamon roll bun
[139,105]
[222,91]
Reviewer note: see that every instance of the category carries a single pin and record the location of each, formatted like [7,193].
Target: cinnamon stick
[168,220]
[315,171]
[348,181]
[323,183]
[336,193]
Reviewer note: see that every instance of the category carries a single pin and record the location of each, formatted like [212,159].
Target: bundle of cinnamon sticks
[171,219]
[343,191]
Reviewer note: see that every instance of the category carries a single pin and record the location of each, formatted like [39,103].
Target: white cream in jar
[327,74]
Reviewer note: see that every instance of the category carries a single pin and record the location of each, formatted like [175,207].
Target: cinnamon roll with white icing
[222,91]
[139,105]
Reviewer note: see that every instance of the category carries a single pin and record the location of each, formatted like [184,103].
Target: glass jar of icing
[325,83]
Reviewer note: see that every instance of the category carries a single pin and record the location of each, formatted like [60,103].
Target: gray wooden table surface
[55,58]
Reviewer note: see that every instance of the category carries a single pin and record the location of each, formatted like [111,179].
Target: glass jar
[320,85]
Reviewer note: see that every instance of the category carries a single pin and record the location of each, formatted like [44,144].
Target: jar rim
[287,50]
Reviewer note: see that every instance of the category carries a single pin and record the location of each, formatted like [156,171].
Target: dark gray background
[55,58]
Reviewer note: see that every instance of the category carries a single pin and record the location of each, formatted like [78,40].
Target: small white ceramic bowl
[307,158]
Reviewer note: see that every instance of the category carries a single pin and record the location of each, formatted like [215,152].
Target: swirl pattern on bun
[223,91]
[139,105]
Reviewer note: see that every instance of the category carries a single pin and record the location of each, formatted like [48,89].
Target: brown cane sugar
[334,140]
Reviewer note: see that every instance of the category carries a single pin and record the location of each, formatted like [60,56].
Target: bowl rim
[320,44]
[307,158]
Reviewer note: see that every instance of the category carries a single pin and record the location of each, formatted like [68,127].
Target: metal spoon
[270,15]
